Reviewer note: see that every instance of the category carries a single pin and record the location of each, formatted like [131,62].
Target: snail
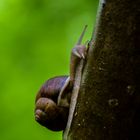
[53,99]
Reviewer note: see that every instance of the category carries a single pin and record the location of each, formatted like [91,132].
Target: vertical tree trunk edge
[108,105]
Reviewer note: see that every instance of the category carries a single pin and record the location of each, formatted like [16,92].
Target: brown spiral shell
[47,113]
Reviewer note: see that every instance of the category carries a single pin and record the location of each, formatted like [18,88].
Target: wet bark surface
[108,106]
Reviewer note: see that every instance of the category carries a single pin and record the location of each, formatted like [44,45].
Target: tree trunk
[108,104]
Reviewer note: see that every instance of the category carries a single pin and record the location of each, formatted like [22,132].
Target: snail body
[54,97]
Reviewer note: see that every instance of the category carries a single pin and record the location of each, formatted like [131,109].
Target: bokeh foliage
[36,37]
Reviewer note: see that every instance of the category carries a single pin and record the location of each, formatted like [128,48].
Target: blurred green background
[36,37]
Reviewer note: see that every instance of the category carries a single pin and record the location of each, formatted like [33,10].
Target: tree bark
[108,104]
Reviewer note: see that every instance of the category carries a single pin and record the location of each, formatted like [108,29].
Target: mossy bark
[108,105]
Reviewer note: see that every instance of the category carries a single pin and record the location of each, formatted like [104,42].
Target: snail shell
[47,112]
